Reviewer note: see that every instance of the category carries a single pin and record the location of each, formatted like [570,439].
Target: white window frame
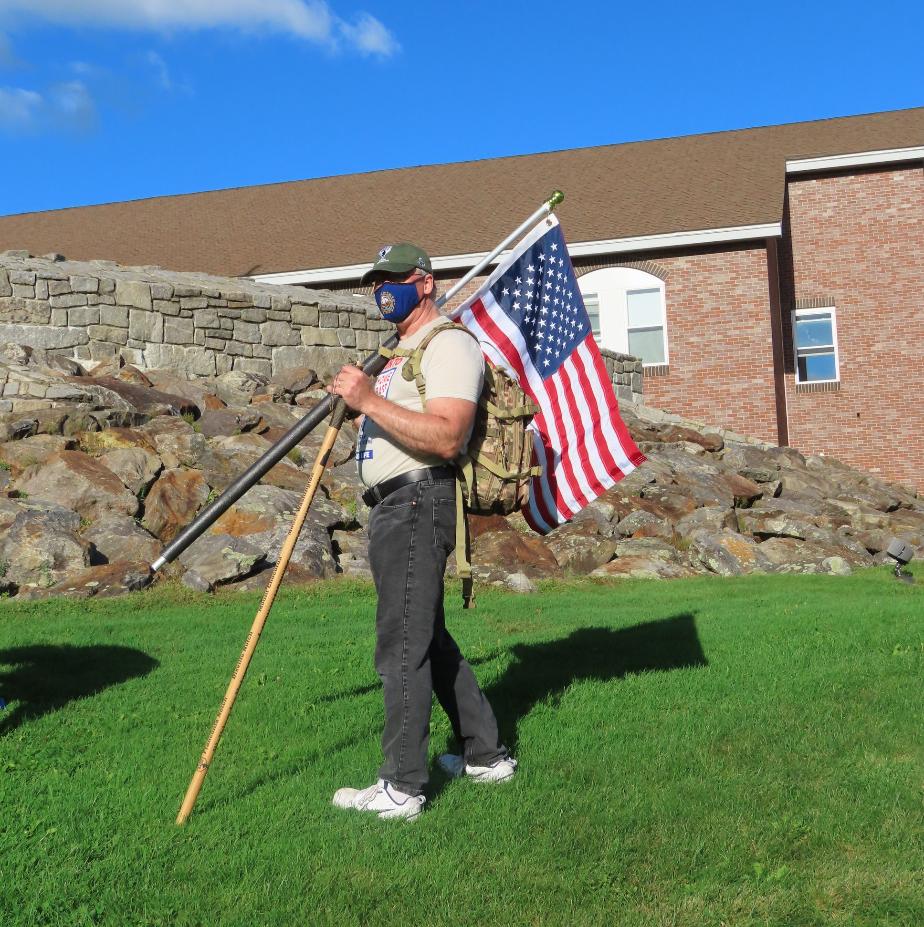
[802,313]
[610,285]
[596,298]
[663,326]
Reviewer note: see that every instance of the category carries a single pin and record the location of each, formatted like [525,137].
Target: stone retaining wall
[198,324]
[626,372]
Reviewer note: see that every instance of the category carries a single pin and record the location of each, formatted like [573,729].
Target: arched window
[626,309]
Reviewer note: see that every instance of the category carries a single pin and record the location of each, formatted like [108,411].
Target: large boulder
[117,537]
[710,517]
[727,553]
[40,544]
[230,456]
[176,442]
[136,467]
[579,547]
[351,548]
[20,455]
[224,422]
[90,487]
[221,558]
[313,553]
[173,501]
[498,553]
[102,581]
[790,555]
[144,399]
[641,567]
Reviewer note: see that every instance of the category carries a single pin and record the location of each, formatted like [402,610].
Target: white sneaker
[499,771]
[383,799]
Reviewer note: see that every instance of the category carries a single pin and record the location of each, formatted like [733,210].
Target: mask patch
[396,301]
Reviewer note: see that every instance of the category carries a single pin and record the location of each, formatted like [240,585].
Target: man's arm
[442,429]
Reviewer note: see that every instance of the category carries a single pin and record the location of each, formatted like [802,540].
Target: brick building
[771,279]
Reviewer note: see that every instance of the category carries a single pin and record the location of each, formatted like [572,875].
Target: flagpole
[324,407]
[547,207]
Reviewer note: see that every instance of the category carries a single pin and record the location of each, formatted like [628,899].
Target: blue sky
[133,98]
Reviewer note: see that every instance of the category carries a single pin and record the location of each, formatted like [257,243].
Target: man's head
[401,278]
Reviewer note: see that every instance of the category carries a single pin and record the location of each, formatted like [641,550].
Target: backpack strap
[413,368]
[464,476]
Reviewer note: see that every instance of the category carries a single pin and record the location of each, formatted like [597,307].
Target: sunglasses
[409,277]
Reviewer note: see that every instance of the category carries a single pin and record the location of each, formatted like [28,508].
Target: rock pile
[92,488]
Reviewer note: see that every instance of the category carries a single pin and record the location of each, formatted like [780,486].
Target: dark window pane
[817,367]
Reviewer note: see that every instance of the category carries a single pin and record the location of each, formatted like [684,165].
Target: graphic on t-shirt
[383,380]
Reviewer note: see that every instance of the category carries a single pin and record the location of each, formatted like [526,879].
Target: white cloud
[160,69]
[72,107]
[65,107]
[370,36]
[19,109]
[309,19]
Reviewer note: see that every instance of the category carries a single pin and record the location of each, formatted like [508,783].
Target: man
[404,455]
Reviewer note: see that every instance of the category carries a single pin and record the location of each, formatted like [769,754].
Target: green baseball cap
[401,258]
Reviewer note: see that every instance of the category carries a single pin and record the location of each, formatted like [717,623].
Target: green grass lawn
[698,752]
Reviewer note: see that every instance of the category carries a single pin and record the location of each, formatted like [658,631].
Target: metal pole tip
[556,198]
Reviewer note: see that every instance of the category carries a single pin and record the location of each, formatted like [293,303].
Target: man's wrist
[367,407]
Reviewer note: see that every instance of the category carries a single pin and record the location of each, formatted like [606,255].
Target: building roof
[719,180]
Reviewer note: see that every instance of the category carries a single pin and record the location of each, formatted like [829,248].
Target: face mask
[396,301]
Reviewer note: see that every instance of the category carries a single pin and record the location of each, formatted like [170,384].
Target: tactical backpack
[493,476]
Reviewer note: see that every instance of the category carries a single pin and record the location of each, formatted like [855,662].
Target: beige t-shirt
[453,368]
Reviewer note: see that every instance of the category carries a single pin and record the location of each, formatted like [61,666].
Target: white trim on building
[857,159]
[321,275]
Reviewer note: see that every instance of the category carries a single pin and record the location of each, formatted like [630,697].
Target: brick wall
[718,333]
[859,240]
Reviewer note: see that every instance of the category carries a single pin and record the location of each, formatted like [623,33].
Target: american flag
[530,319]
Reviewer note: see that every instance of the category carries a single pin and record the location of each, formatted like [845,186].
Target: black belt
[377,493]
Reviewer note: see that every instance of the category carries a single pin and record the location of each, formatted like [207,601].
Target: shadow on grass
[539,672]
[542,672]
[45,677]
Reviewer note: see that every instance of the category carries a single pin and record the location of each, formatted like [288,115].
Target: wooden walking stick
[253,638]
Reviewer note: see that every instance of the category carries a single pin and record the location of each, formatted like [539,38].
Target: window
[626,309]
[592,305]
[815,343]
[645,325]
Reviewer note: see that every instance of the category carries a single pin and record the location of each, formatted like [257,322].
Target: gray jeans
[411,533]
